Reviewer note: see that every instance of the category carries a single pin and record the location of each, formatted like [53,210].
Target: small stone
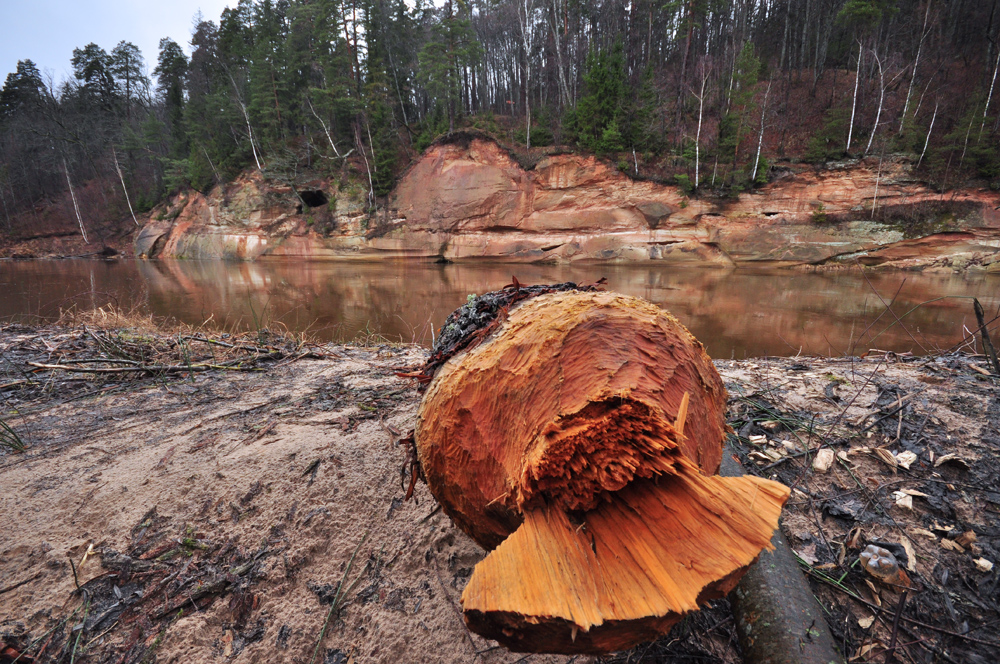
[983,565]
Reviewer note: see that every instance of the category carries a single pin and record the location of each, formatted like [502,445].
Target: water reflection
[736,313]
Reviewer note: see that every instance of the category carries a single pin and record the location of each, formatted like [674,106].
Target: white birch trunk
[760,135]
[124,188]
[928,139]
[854,99]
[916,62]
[881,98]
[697,140]
[76,206]
[989,97]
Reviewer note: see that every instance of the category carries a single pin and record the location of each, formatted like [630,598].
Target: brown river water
[736,313]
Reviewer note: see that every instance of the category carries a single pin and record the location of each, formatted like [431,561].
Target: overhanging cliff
[470,200]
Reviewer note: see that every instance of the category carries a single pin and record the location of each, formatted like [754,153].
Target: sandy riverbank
[223,507]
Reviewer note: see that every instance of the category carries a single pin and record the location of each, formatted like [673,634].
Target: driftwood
[580,444]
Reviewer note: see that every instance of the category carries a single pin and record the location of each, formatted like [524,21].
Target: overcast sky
[47,31]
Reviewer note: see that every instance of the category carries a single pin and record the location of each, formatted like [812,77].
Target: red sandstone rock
[475,202]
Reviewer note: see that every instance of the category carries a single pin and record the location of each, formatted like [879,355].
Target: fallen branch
[156,368]
[14,586]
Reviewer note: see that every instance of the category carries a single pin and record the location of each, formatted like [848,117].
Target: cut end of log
[580,442]
[623,573]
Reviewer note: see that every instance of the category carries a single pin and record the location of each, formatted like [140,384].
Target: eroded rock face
[472,201]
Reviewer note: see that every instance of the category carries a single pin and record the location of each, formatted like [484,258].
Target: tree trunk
[854,99]
[916,63]
[989,98]
[76,206]
[881,98]
[587,463]
[928,139]
[697,140]
[124,188]
[760,135]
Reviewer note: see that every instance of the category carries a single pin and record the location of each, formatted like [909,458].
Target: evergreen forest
[706,94]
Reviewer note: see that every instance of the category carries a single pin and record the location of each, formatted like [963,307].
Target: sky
[47,31]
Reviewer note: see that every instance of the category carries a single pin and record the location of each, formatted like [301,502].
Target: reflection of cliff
[736,313]
[470,200]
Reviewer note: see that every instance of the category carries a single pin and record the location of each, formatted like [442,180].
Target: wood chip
[966,538]
[885,456]
[952,458]
[911,554]
[952,545]
[865,623]
[823,460]
[925,533]
[914,492]
[979,370]
[903,500]
[983,565]
[875,596]
[906,458]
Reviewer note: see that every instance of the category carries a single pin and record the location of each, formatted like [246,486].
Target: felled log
[579,442]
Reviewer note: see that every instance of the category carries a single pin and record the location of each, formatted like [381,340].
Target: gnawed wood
[580,440]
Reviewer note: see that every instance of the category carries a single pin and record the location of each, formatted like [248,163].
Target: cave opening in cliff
[313,198]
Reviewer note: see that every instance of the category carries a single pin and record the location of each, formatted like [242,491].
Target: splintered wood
[581,442]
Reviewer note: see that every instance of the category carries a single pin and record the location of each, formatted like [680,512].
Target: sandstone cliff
[470,200]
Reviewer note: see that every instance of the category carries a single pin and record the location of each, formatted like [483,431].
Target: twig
[991,352]
[335,604]
[809,570]
[73,567]
[895,628]
[153,368]
[889,307]
[13,586]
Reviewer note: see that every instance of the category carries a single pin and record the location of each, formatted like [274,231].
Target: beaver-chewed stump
[579,443]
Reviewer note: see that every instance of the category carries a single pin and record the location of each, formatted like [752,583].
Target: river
[736,313]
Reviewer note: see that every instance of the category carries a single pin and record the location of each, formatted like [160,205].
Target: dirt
[226,511]
[871,413]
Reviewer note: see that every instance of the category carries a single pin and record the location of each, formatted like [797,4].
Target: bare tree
[854,99]
[76,206]
[928,139]
[526,19]
[760,135]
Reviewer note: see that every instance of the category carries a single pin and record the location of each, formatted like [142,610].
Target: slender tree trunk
[76,206]
[881,98]
[854,99]
[784,37]
[246,117]
[928,139]
[916,63]
[6,213]
[760,135]
[989,98]
[527,39]
[697,140]
[563,87]
[124,188]
[878,179]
